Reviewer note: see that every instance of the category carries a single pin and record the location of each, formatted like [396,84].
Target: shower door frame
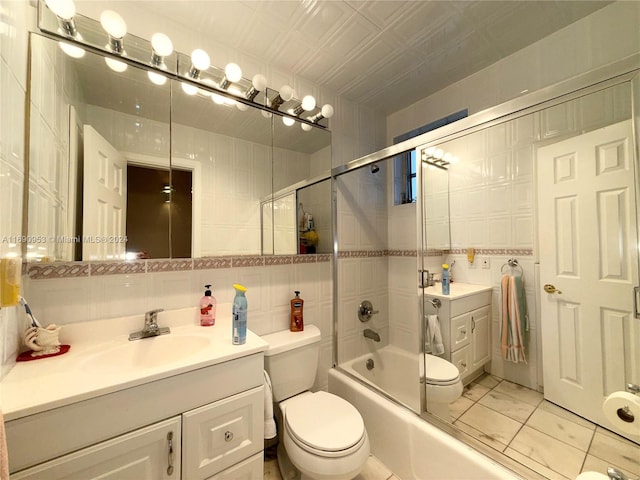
[624,71]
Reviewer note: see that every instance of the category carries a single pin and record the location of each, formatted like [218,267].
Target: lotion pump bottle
[445,279]
[239,316]
[207,308]
[296,323]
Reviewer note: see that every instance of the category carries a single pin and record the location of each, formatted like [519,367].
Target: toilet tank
[292,361]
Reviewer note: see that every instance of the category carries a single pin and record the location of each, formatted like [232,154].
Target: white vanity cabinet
[465,323]
[198,425]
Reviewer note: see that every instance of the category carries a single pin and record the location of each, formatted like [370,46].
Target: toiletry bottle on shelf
[445,279]
[207,308]
[239,316]
[296,323]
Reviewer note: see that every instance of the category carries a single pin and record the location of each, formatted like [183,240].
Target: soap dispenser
[296,322]
[207,308]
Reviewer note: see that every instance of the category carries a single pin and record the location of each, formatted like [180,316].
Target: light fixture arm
[68,26]
[116,45]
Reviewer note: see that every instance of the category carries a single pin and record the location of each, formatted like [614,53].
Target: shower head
[375,168]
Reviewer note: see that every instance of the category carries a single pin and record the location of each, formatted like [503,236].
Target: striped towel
[515,319]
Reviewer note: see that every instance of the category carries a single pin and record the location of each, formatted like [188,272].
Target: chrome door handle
[170,453]
[636,291]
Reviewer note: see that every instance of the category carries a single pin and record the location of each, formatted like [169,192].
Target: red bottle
[296,323]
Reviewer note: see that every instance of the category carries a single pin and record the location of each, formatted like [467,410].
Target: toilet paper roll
[622,409]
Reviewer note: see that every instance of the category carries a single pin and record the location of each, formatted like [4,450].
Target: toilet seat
[324,424]
[440,371]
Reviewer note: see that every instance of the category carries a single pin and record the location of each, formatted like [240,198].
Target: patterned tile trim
[279,260]
[37,271]
[520,252]
[117,268]
[304,259]
[211,263]
[248,261]
[169,265]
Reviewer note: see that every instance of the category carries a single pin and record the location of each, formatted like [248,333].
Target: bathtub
[411,447]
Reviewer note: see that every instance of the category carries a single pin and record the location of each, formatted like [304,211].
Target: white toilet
[321,435]
[443,385]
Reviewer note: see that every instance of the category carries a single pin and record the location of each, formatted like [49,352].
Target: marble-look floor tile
[533,465]
[488,380]
[374,469]
[547,406]
[494,425]
[561,429]
[460,406]
[595,464]
[507,405]
[521,393]
[616,450]
[271,470]
[475,391]
[480,436]
[549,452]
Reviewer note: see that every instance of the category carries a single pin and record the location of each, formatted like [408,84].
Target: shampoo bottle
[207,308]
[296,323]
[445,279]
[239,316]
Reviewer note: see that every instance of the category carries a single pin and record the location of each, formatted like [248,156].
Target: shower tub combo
[410,446]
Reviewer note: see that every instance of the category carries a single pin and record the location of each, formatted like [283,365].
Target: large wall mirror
[128,164]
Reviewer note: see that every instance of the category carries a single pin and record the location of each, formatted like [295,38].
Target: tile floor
[520,423]
[548,439]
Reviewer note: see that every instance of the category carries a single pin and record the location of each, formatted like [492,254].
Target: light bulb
[156,78]
[438,153]
[161,44]
[189,89]
[233,72]
[113,24]
[259,82]
[200,59]
[72,50]
[288,121]
[64,9]
[327,111]
[308,103]
[286,93]
[430,151]
[115,65]
[306,127]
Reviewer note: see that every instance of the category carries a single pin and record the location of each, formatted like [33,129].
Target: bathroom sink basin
[146,353]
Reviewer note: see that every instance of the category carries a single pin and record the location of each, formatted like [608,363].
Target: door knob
[551,289]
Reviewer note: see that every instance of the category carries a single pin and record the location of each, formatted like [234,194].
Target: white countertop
[456,290]
[39,385]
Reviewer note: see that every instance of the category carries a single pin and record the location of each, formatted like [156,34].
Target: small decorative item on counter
[445,279]
[207,308]
[239,316]
[296,323]
[43,341]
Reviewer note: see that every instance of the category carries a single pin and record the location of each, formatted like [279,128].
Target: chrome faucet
[373,335]
[151,328]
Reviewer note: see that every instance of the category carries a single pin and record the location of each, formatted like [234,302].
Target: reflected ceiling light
[188,88]
[217,99]
[64,10]
[243,107]
[161,47]
[115,65]
[199,61]
[157,78]
[308,104]
[325,112]
[232,74]
[306,127]
[437,158]
[286,94]
[266,114]
[116,28]
[72,50]
[258,84]
[288,121]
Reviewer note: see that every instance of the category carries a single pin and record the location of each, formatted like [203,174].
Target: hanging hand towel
[269,422]
[515,319]
[434,336]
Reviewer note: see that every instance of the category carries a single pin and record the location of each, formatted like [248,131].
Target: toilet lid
[439,370]
[324,421]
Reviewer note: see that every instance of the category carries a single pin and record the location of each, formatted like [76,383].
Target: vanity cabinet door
[460,331]
[250,469]
[150,453]
[481,340]
[222,434]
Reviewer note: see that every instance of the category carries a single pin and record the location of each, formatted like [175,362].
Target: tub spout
[371,334]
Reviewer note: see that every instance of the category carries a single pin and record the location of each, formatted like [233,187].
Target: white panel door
[104,199]
[150,453]
[589,252]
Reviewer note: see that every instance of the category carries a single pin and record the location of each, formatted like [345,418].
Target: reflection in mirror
[435,206]
[89,126]
[226,149]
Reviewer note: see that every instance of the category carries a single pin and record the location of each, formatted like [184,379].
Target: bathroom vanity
[187,405]
[465,322]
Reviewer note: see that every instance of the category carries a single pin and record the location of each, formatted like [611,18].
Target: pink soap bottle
[207,308]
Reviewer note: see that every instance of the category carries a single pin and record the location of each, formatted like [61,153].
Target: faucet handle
[152,314]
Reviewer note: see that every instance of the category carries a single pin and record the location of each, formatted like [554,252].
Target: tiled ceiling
[383,54]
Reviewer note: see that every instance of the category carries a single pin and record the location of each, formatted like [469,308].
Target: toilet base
[288,471]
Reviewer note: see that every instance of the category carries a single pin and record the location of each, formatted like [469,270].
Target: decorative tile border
[519,252]
[44,271]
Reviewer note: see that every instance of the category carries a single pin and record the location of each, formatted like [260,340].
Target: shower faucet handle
[366,311]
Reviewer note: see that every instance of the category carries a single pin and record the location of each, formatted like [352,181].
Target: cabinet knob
[228,436]
[464,364]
